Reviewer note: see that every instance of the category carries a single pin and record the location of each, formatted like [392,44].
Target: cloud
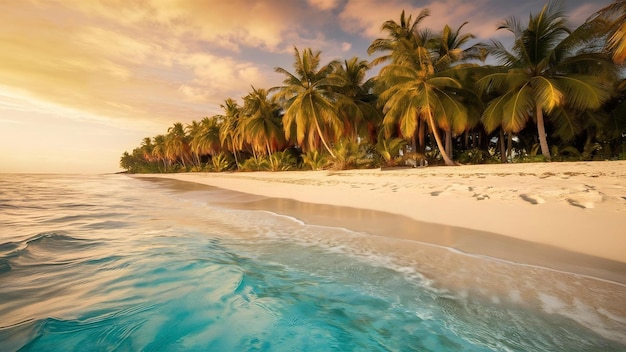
[230,25]
[215,78]
[358,17]
[579,14]
[90,61]
[483,16]
[324,4]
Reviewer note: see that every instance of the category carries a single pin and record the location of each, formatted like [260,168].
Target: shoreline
[563,216]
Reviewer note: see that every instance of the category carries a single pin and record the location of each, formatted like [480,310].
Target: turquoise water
[112,263]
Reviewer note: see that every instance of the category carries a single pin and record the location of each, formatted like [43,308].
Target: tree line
[558,93]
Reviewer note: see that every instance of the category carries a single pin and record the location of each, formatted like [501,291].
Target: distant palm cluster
[557,94]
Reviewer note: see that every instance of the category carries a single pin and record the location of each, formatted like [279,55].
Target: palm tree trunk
[541,130]
[421,137]
[449,142]
[502,146]
[195,159]
[232,144]
[433,127]
[509,145]
[319,131]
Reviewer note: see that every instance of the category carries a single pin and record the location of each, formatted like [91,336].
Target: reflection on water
[121,264]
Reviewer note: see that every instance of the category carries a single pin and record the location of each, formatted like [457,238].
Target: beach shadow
[530,199]
[576,204]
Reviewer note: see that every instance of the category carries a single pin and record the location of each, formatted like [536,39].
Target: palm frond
[513,25]
[617,43]
[501,53]
[451,113]
[583,92]
[567,124]
[516,108]
[593,64]
[546,93]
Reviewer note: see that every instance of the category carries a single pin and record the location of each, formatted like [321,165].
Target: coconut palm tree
[310,101]
[262,125]
[412,95]
[406,29]
[450,49]
[147,147]
[421,85]
[356,102]
[176,144]
[193,129]
[230,133]
[206,139]
[159,149]
[541,74]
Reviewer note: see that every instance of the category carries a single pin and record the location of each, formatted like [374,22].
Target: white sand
[579,207]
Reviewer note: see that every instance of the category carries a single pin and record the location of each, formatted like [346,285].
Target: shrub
[280,161]
[474,156]
[221,162]
[254,164]
[389,151]
[347,154]
[315,160]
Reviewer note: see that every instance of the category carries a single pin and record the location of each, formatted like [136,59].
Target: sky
[82,81]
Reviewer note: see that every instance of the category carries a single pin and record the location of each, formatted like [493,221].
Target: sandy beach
[569,216]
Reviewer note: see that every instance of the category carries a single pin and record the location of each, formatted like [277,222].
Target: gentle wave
[509,282]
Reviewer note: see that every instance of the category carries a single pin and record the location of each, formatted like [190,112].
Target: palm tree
[230,133]
[411,95]
[448,52]
[147,147]
[356,102]
[540,74]
[396,32]
[310,101]
[262,125]
[420,84]
[449,47]
[406,31]
[177,147]
[193,129]
[206,139]
[159,149]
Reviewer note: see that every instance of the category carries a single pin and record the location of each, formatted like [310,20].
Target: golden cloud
[134,63]
[358,17]
[324,4]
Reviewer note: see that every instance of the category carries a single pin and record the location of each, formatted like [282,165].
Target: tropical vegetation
[557,93]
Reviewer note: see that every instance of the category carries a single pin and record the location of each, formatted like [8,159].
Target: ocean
[117,263]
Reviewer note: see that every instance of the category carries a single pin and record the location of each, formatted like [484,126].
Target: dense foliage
[556,94]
